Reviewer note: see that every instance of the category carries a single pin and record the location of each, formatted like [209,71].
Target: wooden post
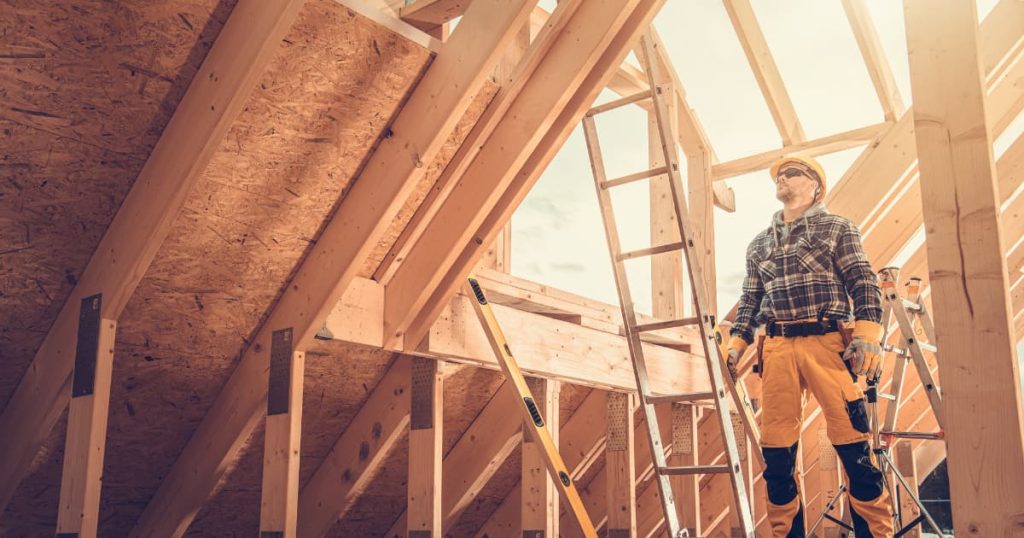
[619,466]
[78,512]
[424,510]
[279,506]
[907,467]
[828,466]
[539,514]
[979,369]
[686,488]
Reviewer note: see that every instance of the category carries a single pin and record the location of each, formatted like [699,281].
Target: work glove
[864,354]
[735,350]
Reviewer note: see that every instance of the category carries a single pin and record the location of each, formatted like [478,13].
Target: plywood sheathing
[86,88]
[315,115]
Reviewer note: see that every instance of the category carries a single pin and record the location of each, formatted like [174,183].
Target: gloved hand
[735,350]
[865,350]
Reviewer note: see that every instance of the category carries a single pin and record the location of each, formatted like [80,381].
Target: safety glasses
[791,173]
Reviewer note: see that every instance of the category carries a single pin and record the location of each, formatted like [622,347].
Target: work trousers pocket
[857,409]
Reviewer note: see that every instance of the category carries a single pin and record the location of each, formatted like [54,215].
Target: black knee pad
[866,480]
[779,466]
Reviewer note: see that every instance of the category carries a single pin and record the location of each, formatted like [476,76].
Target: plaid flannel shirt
[807,269]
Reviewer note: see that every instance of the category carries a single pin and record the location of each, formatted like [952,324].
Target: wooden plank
[907,467]
[429,14]
[387,16]
[581,440]
[222,84]
[539,498]
[621,473]
[279,505]
[814,148]
[476,456]
[511,87]
[871,50]
[346,471]
[685,453]
[967,268]
[741,13]
[423,511]
[489,198]
[366,211]
[85,443]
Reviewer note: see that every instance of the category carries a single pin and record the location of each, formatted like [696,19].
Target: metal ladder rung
[694,469]
[670,324]
[928,347]
[692,397]
[650,251]
[634,177]
[612,105]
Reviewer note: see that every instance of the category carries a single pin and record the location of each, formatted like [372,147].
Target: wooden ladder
[711,334]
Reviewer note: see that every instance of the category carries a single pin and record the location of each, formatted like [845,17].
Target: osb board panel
[310,122]
[462,129]
[86,88]
[338,380]
[466,390]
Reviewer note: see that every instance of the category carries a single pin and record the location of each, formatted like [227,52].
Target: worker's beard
[785,195]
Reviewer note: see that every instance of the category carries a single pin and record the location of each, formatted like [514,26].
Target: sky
[557,235]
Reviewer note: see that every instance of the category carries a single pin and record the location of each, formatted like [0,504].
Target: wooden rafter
[820,146]
[871,50]
[476,456]
[741,13]
[346,471]
[979,369]
[282,439]
[582,440]
[391,173]
[218,91]
[505,169]
[488,122]
[427,15]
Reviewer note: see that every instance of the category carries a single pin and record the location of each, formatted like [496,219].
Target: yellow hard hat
[806,162]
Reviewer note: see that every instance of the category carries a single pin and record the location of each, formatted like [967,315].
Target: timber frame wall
[933,160]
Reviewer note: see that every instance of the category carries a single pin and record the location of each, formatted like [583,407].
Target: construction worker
[800,272]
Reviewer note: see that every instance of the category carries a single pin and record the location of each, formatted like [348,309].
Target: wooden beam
[428,15]
[380,12]
[357,455]
[85,443]
[619,468]
[476,456]
[870,45]
[244,47]
[907,467]
[574,72]
[511,87]
[684,452]
[741,13]
[279,505]
[423,511]
[391,173]
[539,498]
[581,440]
[821,146]
[547,348]
[980,372]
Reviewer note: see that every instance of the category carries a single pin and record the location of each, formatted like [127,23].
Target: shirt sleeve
[750,302]
[860,280]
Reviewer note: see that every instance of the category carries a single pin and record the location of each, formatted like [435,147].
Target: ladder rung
[693,397]
[694,469]
[634,177]
[670,324]
[627,100]
[916,435]
[650,251]
[928,347]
